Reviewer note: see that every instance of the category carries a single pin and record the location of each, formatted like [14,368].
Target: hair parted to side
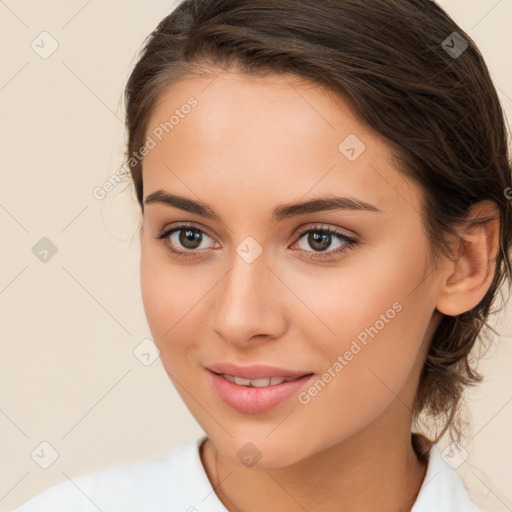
[440,114]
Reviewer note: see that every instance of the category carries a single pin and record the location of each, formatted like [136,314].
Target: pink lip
[255,371]
[254,400]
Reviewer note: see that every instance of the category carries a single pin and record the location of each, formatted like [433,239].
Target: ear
[468,277]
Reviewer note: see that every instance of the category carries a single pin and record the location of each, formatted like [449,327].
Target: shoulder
[146,485]
[442,489]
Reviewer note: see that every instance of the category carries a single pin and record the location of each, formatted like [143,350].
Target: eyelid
[183,225]
[299,232]
[324,227]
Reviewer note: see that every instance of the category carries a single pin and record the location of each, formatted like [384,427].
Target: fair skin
[249,145]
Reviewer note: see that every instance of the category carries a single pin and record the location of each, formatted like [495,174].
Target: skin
[249,145]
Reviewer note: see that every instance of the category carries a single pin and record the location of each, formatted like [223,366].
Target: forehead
[275,138]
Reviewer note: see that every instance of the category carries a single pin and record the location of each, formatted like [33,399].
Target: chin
[260,451]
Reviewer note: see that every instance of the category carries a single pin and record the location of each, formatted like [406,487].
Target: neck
[368,471]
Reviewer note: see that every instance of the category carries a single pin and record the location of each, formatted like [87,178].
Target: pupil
[323,241]
[189,237]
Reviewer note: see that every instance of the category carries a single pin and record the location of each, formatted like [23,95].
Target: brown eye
[190,238]
[320,239]
[319,242]
[184,241]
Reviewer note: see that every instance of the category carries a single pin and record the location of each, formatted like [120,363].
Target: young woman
[325,224]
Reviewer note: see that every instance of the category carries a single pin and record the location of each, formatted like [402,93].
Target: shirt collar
[442,489]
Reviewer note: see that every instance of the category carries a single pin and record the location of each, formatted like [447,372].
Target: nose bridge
[247,302]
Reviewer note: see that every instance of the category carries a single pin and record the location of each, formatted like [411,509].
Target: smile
[253,396]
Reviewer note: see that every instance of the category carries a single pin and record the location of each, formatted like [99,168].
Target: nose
[250,304]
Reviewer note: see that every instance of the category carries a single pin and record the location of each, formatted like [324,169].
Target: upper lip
[255,371]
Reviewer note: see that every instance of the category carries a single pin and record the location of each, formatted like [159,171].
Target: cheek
[163,289]
[374,318]
[374,290]
[175,301]
[157,293]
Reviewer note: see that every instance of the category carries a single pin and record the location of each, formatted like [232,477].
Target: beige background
[68,327]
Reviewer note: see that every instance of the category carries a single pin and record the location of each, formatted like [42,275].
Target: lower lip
[253,400]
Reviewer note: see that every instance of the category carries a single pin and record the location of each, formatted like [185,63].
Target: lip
[255,371]
[254,400]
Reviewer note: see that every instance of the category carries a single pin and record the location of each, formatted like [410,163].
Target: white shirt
[177,482]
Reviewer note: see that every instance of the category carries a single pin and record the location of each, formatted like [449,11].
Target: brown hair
[391,60]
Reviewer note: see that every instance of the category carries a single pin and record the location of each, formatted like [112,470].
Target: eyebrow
[280,212]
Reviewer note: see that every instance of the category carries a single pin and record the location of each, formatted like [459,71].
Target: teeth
[242,382]
[276,380]
[257,383]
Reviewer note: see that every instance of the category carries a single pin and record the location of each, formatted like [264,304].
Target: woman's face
[263,283]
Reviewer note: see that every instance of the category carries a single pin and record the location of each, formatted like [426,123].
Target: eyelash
[350,243]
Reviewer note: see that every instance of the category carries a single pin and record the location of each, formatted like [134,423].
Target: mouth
[258,395]
[256,372]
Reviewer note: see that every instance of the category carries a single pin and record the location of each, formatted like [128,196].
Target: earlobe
[468,278]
